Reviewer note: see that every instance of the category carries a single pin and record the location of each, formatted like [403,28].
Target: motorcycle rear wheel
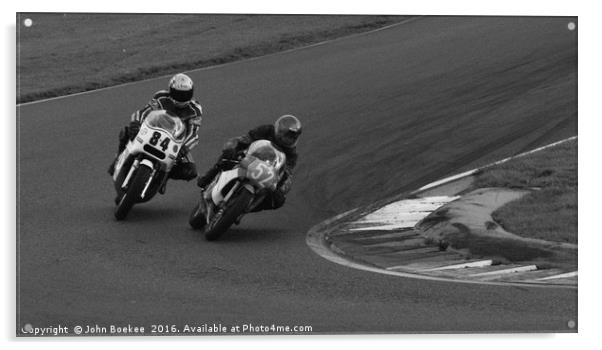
[131,196]
[225,217]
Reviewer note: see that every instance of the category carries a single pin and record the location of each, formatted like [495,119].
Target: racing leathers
[191,116]
[232,149]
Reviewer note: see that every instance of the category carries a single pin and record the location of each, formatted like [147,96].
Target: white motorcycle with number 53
[142,169]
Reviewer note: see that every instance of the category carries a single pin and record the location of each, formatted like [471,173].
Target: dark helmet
[287,130]
[181,89]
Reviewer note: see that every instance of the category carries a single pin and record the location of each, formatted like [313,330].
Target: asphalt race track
[384,112]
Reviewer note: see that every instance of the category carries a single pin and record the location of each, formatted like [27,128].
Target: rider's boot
[205,180]
[111,170]
[163,187]
[123,139]
[237,221]
[206,206]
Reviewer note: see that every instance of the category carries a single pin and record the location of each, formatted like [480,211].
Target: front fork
[232,190]
[148,182]
[134,167]
[127,179]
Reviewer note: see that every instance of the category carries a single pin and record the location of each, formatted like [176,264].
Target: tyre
[226,216]
[197,218]
[132,195]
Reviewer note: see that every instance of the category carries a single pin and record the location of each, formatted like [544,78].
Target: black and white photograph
[210,174]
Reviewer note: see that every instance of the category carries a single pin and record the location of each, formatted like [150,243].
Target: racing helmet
[181,90]
[287,129]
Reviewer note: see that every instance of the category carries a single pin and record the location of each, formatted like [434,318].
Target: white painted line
[562,275]
[392,227]
[409,234]
[446,180]
[506,271]
[396,267]
[470,172]
[395,243]
[402,214]
[480,263]
[531,151]
[411,19]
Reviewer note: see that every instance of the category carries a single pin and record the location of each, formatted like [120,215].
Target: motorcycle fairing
[142,142]
[224,179]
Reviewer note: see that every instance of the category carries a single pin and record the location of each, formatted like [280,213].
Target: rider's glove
[133,129]
[231,143]
[229,153]
[183,151]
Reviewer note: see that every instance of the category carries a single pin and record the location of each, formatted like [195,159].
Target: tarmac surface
[384,112]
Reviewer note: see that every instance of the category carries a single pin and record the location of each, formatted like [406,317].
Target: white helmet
[181,89]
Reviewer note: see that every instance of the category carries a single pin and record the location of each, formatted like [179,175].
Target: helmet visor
[181,96]
[289,138]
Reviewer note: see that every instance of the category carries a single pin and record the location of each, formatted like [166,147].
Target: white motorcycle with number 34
[142,169]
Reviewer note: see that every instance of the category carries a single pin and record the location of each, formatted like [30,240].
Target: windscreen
[162,120]
[263,150]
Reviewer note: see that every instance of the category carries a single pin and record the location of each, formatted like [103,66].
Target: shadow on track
[244,235]
[148,214]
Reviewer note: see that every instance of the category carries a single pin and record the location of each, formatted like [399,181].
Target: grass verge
[67,53]
[550,211]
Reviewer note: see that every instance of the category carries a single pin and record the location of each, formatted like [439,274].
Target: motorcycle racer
[176,100]
[283,134]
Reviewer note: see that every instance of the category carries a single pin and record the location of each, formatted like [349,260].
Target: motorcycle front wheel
[131,196]
[225,217]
